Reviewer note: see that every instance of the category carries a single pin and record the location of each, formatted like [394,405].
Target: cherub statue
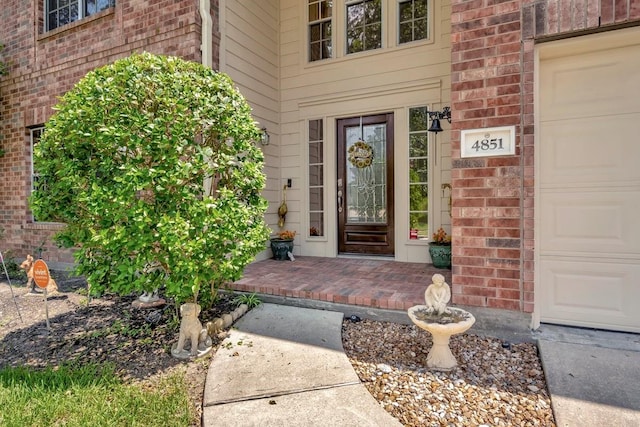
[437,295]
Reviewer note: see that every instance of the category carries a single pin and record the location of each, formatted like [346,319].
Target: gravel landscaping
[495,383]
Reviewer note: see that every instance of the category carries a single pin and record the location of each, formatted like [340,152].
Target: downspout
[206,50]
[207,30]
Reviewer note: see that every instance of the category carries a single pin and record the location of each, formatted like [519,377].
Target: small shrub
[252,300]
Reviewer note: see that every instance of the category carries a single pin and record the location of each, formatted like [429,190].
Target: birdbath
[441,322]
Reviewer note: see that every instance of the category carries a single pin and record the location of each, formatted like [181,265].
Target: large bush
[124,162]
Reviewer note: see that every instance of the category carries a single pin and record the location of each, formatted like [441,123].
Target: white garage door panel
[597,222]
[581,86]
[583,151]
[595,294]
[587,158]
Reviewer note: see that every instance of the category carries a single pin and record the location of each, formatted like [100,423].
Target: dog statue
[27,266]
[191,330]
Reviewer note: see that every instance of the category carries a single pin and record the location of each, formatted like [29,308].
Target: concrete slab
[335,406]
[285,366]
[590,385]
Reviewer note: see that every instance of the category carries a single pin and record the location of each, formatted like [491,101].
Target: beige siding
[249,54]
[265,52]
[389,79]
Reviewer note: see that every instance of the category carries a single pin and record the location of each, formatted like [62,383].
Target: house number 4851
[487,144]
[499,141]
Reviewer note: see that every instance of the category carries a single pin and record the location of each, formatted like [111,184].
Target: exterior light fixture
[436,116]
[264,137]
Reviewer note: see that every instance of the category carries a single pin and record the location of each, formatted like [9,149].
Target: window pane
[406,33]
[364,28]
[315,199]
[74,14]
[326,7]
[326,49]
[314,32]
[314,52]
[420,221]
[316,220]
[314,12]
[315,130]
[420,9]
[354,41]
[53,21]
[326,30]
[418,119]
[52,5]
[419,197]
[373,37]
[421,30]
[315,174]
[418,146]
[373,11]
[355,15]
[418,170]
[315,152]
[63,16]
[405,11]
[63,3]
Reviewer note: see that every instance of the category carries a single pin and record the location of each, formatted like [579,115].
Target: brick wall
[492,85]
[44,65]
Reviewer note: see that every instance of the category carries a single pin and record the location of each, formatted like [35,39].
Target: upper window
[320,29]
[62,12]
[364,25]
[338,28]
[412,20]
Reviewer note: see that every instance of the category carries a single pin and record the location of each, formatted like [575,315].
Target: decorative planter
[281,248]
[440,255]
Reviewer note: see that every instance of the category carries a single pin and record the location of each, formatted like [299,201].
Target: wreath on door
[360,154]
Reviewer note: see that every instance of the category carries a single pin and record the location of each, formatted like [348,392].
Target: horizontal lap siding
[250,58]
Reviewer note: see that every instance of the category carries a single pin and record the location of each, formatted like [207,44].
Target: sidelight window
[418,173]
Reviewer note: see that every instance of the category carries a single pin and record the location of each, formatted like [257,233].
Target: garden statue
[191,330]
[437,295]
[441,321]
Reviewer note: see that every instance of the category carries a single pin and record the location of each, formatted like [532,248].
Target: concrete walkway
[285,366]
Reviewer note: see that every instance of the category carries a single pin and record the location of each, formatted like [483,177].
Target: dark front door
[365,185]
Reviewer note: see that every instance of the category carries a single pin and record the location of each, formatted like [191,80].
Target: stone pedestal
[441,327]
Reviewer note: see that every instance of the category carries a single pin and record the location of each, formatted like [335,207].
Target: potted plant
[282,244]
[440,249]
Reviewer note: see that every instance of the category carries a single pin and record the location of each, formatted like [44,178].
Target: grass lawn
[89,396]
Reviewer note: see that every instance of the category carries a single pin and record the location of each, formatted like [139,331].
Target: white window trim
[390,33]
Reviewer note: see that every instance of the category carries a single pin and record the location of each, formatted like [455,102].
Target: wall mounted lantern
[264,137]
[436,116]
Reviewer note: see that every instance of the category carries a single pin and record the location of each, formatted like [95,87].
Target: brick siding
[44,65]
[492,45]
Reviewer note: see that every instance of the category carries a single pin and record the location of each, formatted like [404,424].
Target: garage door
[588,181]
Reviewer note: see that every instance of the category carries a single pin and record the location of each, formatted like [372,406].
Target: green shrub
[124,162]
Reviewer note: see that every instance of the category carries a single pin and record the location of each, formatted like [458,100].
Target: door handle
[339,200]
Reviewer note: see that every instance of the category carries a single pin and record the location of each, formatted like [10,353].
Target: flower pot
[440,255]
[281,248]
